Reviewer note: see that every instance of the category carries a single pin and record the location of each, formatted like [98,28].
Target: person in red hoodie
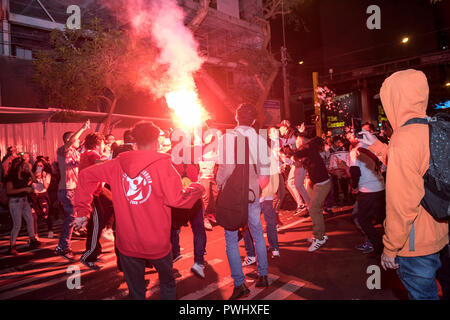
[144,186]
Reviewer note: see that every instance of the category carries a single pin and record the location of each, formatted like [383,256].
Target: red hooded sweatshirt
[144,186]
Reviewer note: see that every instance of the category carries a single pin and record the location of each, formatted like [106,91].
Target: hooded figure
[411,233]
[145,186]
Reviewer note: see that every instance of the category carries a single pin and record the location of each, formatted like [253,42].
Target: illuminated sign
[334,123]
[381,115]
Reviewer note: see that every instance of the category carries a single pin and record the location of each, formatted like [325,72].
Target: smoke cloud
[161,22]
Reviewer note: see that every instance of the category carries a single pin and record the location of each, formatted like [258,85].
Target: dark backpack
[437,178]
[232,200]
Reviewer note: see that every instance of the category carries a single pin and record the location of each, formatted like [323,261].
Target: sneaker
[240,292]
[91,265]
[198,270]
[316,244]
[302,212]
[275,254]
[67,254]
[12,251]
[249,261]
[300,209]
[364,246]
[76,233]
[178,257]
[34,243]
[208,225]
[263,282]
[368,250]
[108,234]
[83,233]
[50,235]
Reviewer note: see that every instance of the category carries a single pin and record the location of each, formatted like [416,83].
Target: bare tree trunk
[108,118]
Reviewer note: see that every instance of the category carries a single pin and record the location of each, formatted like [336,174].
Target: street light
[447,84]
[405,40]
[301,62]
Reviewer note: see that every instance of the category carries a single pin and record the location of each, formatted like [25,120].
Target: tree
[94,66]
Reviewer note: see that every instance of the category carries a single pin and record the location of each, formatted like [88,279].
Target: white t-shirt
[38,186]
[370,180]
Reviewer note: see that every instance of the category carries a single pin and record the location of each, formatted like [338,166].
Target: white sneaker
[275,254]
[316,244]
[248,261]
[208,225]
[50,235]
[108,234]
[198,270]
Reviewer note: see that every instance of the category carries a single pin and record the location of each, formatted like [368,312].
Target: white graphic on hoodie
[137,190]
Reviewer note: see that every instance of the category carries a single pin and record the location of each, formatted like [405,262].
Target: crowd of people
[141,195]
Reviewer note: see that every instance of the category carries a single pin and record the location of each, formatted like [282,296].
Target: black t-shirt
[17,183]
[312,161]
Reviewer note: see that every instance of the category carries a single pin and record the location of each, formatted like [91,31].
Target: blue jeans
[272,235]
[198,230]
[66,197]
[418,275]
[232,246]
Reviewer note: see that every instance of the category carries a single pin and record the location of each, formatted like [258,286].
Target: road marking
[54,258]
[34,278]
[48,244]
[184,274]
[155,288]
[31,288]
[207,290]
[285,291]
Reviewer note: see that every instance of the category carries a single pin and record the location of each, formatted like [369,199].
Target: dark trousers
[101,213]
[198,230]
[372,205]
[134,272]
[40,210]
[343,184]
[443,274]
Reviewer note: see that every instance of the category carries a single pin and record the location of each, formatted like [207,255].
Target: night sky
[337,36]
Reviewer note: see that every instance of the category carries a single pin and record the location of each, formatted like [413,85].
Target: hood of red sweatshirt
[133,162]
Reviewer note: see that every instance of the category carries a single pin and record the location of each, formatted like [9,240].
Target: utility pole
[286,113]
[318,116]
[285,83]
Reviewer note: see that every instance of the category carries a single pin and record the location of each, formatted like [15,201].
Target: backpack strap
[417,121]
[412,239]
